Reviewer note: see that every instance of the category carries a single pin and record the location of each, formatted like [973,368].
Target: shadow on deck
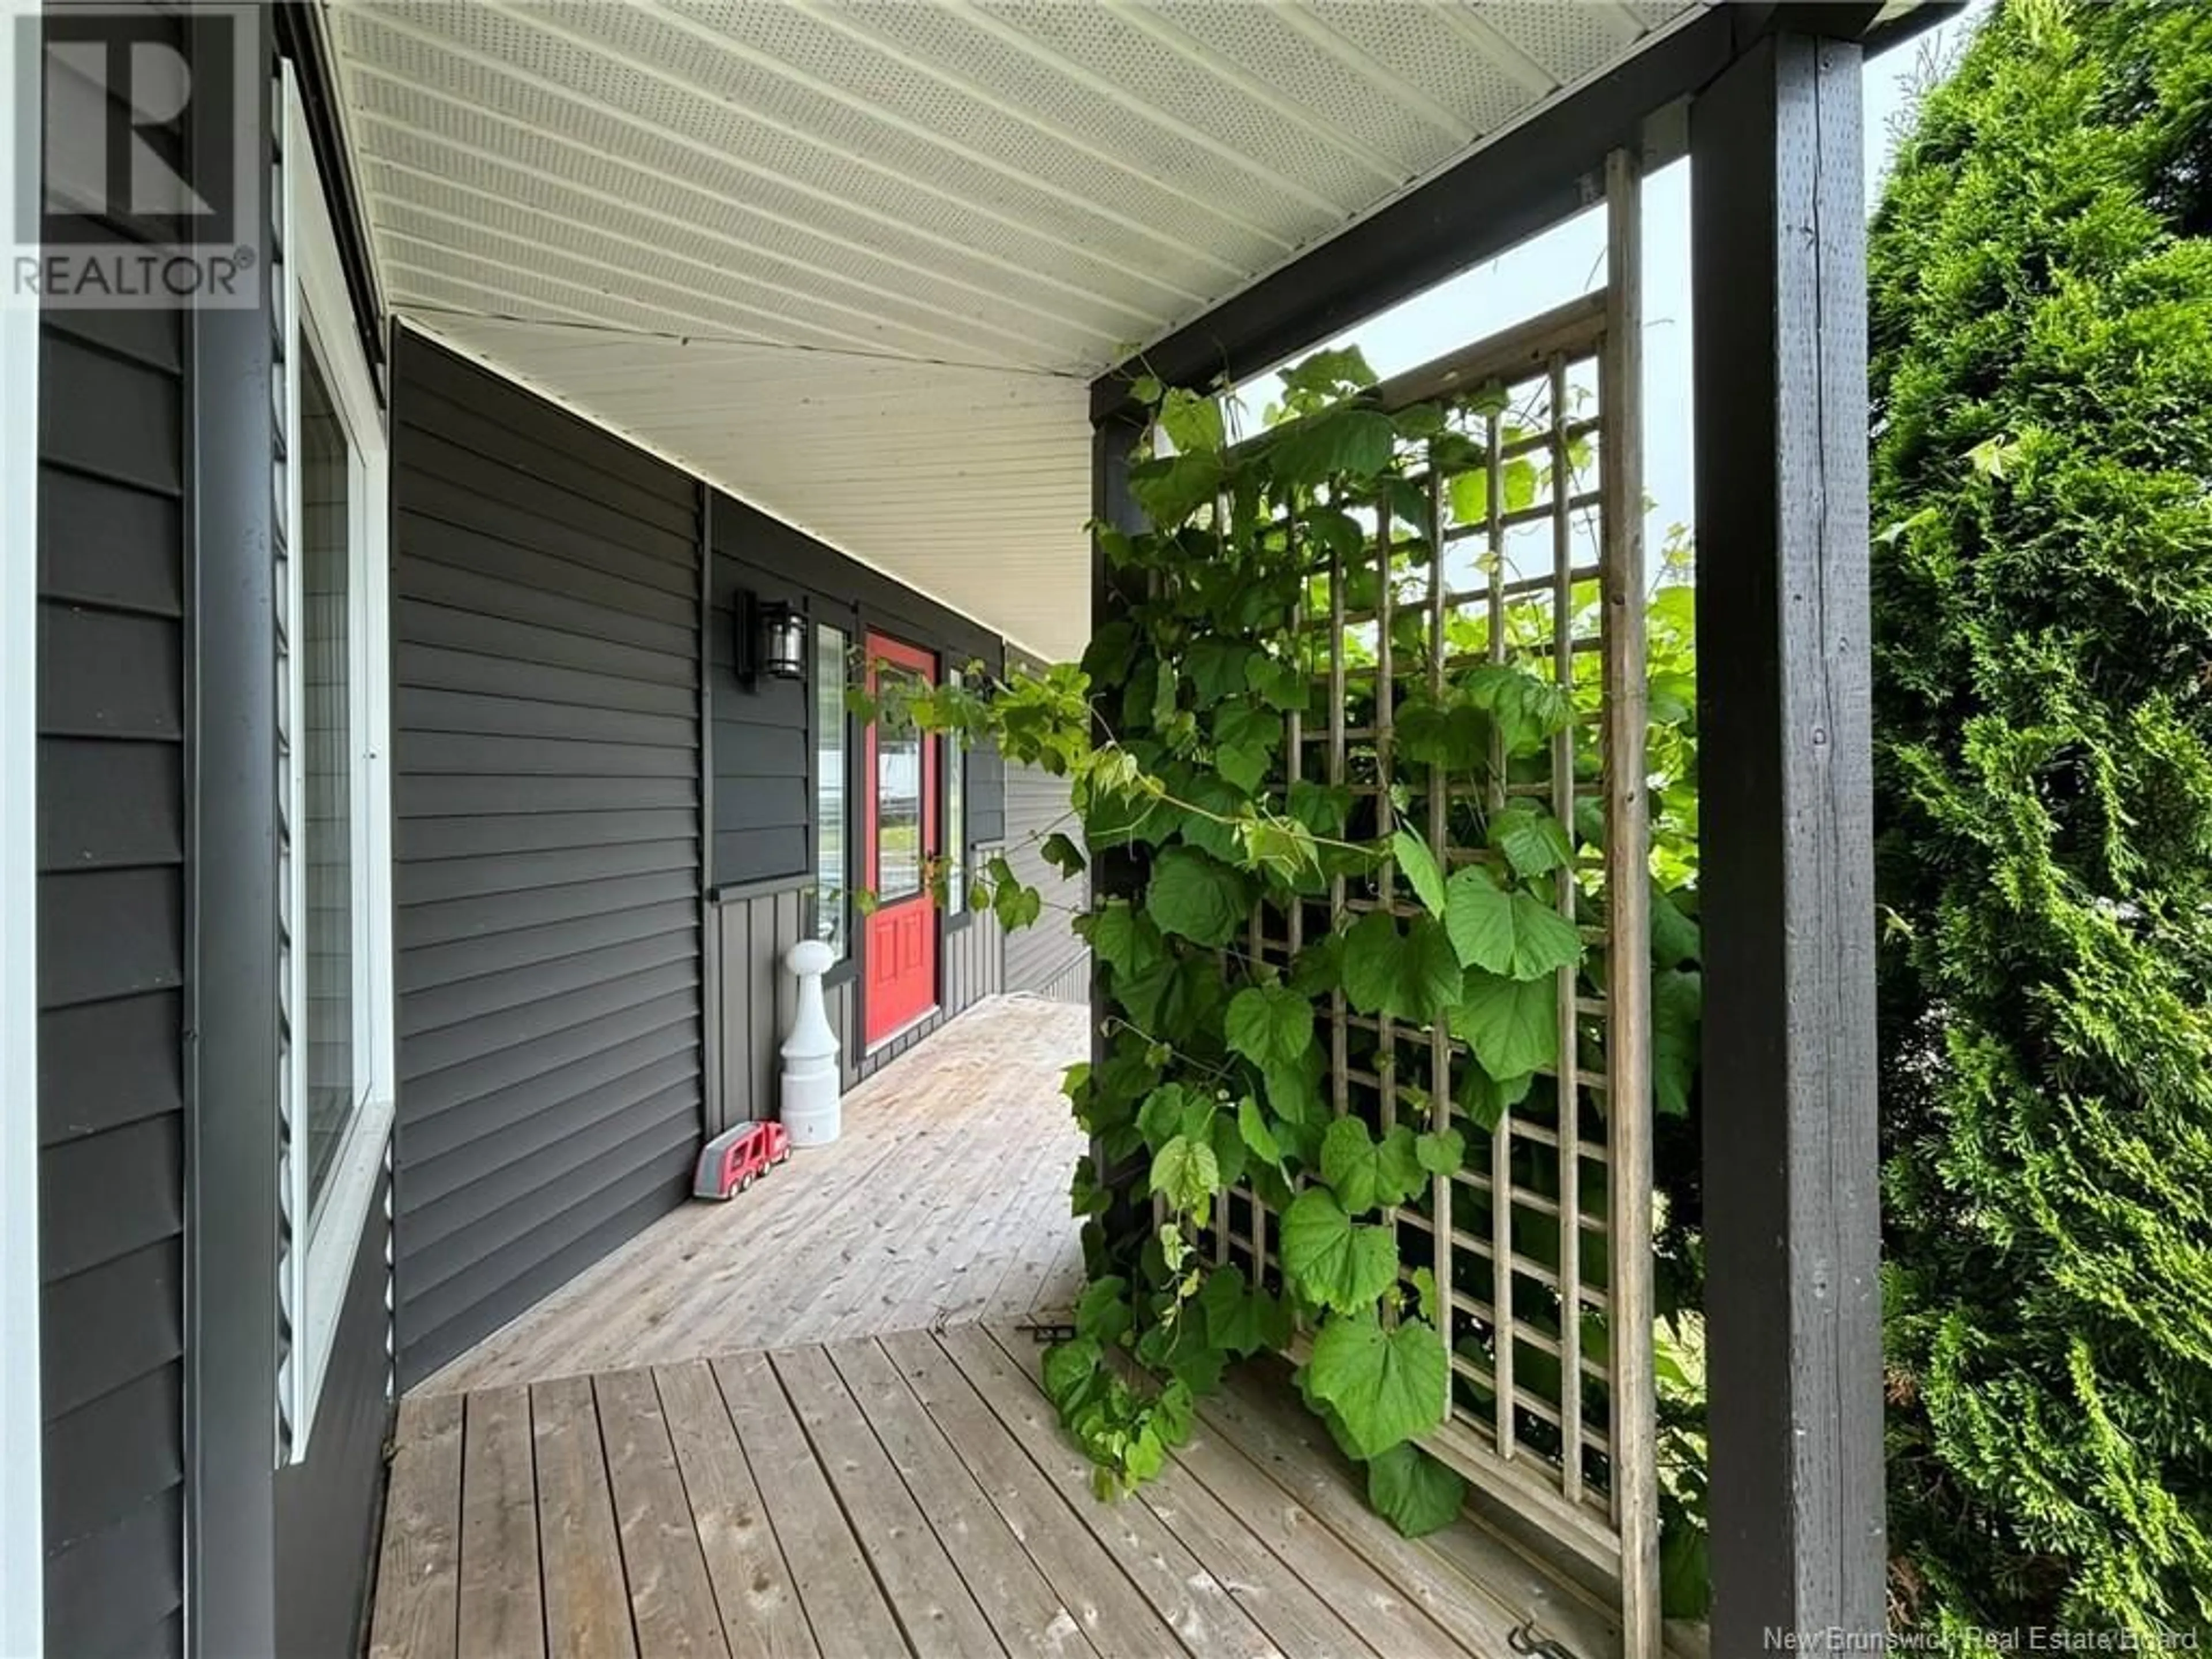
[908,1494]
[944,1202]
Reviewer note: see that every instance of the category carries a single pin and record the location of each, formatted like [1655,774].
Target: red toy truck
[737,1157]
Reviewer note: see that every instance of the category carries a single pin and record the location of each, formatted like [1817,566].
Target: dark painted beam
[231,1076]
[1793,1308]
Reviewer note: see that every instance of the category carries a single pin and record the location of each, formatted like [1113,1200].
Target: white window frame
[318,317]
[23,1552]
[816,627]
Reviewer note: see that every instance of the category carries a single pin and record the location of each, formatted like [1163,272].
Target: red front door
[899,822]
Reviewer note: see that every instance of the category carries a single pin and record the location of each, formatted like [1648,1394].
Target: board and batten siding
[111,810]
[758,995]
[546,717]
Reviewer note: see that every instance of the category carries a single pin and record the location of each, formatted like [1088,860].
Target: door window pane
[830,817]
[326,651]
[898,788]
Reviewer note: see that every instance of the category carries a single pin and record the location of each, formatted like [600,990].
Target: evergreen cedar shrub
[2042,374]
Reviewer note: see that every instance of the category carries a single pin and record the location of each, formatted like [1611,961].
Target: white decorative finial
[811,1083]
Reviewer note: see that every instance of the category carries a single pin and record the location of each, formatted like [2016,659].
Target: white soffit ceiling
[858,262]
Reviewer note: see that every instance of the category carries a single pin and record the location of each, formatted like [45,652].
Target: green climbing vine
[1213,1074]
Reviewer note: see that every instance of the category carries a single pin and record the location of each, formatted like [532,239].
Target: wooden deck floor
[910,1494]
[944,1202]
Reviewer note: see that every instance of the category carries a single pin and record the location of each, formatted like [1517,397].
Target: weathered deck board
[938,1614]
[1029,1617]
[1279,1601]
[762,1617]
[1096,1586]
[944,1200]
[1293,1447]
[1189,1592]
[502,1610]
[842,1601]
[672,1604]
[903,1497]
[416,1583]
[586,1602]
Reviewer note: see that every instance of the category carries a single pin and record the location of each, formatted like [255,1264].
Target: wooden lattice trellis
[1540,1243]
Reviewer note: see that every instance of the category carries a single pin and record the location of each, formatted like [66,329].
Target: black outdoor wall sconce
[771,639]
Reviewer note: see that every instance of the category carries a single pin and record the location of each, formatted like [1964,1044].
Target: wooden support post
[1623,594]
[1794,1338]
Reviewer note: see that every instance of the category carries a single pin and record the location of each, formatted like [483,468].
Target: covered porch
[944,1203]
[732,1432]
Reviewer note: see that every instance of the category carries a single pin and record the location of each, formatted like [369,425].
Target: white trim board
[22,1570]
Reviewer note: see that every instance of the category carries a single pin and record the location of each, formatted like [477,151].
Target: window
[336,1060]
[830,839]
[900,854]
[955,818]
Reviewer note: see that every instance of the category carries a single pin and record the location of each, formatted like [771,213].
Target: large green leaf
[1186,1173]
[1420,865]
[1196,897]
[1269,1024]
[1485,1099]
[1171,488]
[1330,372]
[1322,808]
[1408,972]
[1364,1172]
[1258,1133]
[1533,842]
[1191,420]
[1103,1313]
[1171,1110]
[1676,939]
[1512,1025]
[1280,684]
[1677,1011]
[1216,667]
[1071,1371]
[1513,933]
[1387,1385]
[1414,1492]
[1245,738]
[1063,854]
[1352,442]
[1239,1318]
[1442,1154]
[1332,1259]
[1124,939]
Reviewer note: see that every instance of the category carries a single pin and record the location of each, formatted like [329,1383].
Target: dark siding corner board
[111,955]
[547,711]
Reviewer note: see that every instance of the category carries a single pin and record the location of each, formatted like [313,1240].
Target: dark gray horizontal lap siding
[546,717]
[111,969]
[1046,959]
